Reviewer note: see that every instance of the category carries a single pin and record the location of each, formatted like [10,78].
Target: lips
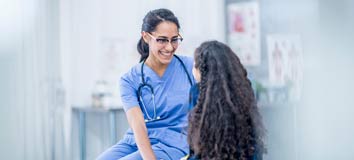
[166,54]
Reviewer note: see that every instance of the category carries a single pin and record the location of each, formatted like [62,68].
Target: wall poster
[285,60]
[244,31]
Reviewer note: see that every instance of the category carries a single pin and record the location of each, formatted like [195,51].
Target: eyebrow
[167,37]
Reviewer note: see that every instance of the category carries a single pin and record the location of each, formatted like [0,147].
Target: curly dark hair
[225,123]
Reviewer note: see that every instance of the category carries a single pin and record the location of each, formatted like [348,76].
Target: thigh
[117,151]
[160,155]
[164,152]
[161,151]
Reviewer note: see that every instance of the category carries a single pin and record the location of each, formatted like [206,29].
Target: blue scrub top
[171,99]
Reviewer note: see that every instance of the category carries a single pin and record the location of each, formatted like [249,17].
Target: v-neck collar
[151,73]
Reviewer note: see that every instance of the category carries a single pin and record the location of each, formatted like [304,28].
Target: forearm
[143,142]
[137,123]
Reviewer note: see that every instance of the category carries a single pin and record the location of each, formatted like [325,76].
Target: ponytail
[143,49]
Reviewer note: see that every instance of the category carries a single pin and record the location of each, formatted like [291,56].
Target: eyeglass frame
[164,43]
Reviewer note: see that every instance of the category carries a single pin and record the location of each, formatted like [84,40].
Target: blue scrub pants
[126,151]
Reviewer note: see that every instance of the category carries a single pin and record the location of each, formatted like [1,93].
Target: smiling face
[161,53]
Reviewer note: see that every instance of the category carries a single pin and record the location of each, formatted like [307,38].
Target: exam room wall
[319,126]
[326,115]
[31,112]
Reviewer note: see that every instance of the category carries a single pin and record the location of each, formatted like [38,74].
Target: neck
[156,66]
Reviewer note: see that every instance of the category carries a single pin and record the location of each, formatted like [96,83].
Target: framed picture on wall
[285,62]
[244,31]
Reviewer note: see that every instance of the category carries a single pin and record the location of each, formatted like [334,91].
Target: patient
[225,122]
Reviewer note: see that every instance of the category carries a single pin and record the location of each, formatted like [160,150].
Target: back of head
[225,123]
[150,21]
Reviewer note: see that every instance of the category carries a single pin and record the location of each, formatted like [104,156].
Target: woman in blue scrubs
[155,94]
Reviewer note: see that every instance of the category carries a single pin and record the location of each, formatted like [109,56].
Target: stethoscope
[154,117]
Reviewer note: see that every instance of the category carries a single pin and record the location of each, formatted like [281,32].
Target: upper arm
[128,93]
[130,102]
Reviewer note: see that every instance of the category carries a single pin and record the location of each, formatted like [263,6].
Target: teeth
[166,54]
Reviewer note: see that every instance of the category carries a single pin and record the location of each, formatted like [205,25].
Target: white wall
[326,115]
[31,109]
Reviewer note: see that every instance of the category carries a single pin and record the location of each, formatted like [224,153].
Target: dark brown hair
[150,21]
[225,123]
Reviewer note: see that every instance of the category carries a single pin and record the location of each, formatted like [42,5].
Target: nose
[169,46]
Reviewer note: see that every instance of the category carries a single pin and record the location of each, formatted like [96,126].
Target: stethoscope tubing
[144,84]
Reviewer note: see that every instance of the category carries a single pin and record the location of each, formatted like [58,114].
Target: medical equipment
[149,87]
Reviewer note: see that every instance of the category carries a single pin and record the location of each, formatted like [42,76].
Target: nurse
[155,94]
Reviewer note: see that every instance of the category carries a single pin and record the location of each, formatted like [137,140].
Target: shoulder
[188,63]
[132,74]
[187,60]
[184,58]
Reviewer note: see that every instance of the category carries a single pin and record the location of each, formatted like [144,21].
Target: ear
[145,36]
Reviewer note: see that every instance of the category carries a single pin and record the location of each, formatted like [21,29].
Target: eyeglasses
[175,41]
